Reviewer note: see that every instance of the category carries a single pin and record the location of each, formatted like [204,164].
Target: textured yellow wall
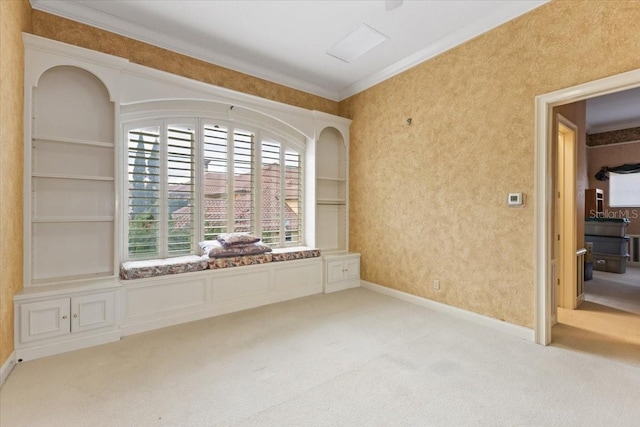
[15,17]
[71,32]
[430,198]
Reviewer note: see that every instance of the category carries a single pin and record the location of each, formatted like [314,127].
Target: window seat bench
[161,293]
[190,263]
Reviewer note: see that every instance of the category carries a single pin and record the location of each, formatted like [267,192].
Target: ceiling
[286,42]
[620,110]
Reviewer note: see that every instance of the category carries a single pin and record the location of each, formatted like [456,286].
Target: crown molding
[122,27]
[80,13]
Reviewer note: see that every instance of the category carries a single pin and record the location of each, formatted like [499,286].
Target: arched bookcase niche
[72,154]
[332,196]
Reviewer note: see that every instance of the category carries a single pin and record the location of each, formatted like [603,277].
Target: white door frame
[543,185]
[566,213]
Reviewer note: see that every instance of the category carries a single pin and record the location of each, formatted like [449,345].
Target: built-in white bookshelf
[77,102]
[71,204]
[331,191]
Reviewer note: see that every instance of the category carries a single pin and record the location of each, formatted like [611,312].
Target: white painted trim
[138,80]
[7,367]
[341,286]
[489,322]
[542,185]
[38,349]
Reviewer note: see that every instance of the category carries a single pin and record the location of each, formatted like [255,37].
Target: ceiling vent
[357,43]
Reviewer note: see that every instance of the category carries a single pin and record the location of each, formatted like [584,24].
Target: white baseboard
[37,350]
[341,286]
[7,367]
[489,322]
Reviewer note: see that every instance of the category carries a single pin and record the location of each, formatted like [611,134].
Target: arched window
[192,178]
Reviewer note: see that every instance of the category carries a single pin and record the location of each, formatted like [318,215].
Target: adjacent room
[376,212]
[608,219]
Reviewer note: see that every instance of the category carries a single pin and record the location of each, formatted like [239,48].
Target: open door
[566,284]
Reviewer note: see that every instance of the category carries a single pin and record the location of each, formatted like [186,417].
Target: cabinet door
[334,271]
[352,268]
[46,319]
[92,311]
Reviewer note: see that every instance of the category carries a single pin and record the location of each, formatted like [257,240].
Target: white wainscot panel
[296,279]
[251,288]
[157,298]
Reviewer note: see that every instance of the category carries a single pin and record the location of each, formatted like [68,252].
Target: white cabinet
[45,319]
[341,268]
[342,271]
[52,318]
[64,319]
[92,311]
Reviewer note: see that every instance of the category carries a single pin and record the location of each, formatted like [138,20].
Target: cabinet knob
[75,316]
[64,317]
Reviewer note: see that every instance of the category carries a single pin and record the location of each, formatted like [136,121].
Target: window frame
[614,193]
[168,117]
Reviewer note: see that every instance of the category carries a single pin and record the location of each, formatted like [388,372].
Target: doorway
[568,287]
[545,283]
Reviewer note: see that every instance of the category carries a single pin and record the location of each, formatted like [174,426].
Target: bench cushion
[162,267]
[185,264]
[237,261]
[293,253]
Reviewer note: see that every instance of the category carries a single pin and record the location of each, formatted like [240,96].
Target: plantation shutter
[144,192]
[293,198]
[191,179]
[216,180]
[272,199]
[243,197]
[180,188]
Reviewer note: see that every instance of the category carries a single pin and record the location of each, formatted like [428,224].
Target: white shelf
[328,178]
[79,177]
[61,140]
[65,280]
[87,284]
[331,201]
[56,220]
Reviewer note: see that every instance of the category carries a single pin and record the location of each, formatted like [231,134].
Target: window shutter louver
[144,192]
[243,198]
[293,198]
[215,181]
[180,189]
[271,193]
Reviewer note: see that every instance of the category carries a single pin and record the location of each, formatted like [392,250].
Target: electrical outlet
[436,285]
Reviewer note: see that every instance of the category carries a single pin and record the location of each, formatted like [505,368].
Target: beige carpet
[619,291]
[353,358]
[608,322]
